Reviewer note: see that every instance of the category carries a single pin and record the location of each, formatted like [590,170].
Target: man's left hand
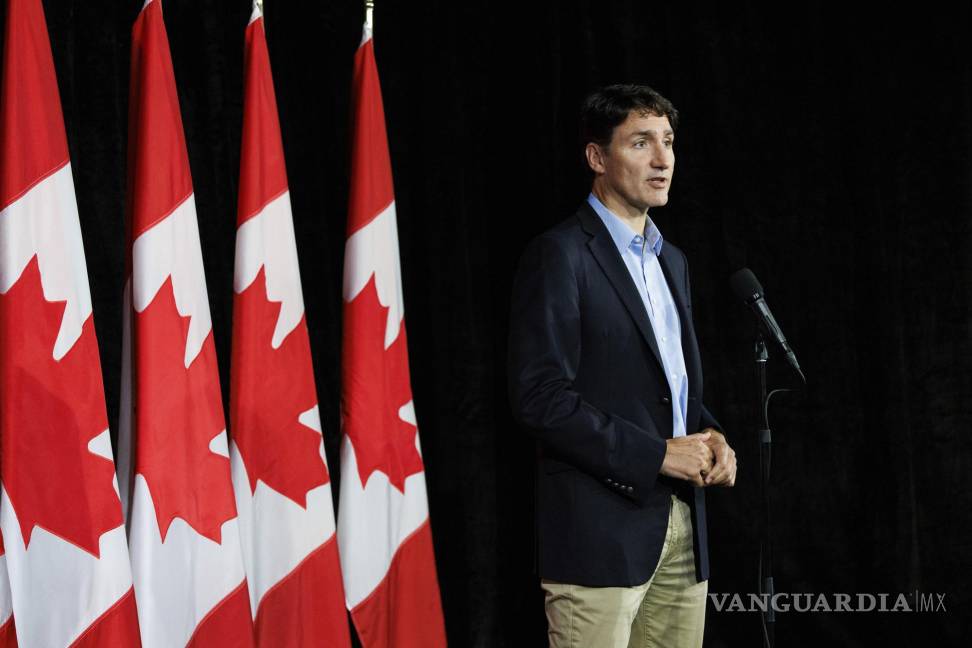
[723,471]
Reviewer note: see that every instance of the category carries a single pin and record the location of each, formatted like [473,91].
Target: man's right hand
[688,457]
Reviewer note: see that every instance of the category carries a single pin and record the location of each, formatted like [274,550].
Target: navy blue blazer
[586,379]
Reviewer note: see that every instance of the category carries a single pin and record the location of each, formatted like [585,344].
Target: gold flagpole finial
[369,11]
[259,4]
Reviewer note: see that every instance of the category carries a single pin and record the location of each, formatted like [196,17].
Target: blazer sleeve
[706,420]
[544,352]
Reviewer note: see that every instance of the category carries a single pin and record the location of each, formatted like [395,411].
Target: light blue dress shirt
[640,256]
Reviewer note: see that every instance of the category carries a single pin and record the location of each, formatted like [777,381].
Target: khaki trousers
[666,612]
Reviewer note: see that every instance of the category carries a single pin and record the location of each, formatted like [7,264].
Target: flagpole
[369,11]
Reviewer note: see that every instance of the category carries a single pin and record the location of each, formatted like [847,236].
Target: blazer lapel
[674,286]
[606,253]
[685,319]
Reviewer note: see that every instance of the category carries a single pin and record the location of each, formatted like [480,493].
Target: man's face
[638,165]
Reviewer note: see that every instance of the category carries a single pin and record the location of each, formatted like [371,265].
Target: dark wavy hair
[606,108]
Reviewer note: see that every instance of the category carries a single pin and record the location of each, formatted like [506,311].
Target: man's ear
[595,157]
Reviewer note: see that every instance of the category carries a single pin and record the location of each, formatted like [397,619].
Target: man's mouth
[658,181]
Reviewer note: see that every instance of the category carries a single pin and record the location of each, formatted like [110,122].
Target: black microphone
[747,288]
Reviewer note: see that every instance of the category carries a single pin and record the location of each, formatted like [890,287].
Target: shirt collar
[621,234]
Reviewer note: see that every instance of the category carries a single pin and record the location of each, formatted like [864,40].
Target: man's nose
[661,159]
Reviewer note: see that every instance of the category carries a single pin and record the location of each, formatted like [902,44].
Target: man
[605,372]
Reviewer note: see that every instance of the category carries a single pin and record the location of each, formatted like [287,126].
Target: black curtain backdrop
[828,150]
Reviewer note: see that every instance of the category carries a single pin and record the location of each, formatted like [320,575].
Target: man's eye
[640,144]
[669,143]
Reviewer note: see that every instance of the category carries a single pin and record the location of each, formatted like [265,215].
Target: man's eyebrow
[652,133]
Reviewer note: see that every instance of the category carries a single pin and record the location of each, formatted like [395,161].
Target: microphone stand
[768,615]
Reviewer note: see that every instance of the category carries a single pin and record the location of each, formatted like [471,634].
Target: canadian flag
[65,574]
[8,634]
[283,492]
[184,535]
[383,517]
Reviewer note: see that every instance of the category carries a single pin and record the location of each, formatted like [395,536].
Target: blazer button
[629,489]
[666,400]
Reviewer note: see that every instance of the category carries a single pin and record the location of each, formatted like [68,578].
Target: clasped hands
[703,458]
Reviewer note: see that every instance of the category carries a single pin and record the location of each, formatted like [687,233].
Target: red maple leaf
[49,411]
[375,385]
[178,413]
[269,389]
